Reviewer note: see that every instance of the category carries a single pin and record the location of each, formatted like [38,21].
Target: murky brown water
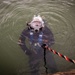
[60,15]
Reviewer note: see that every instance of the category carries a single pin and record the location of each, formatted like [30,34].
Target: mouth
[36,31]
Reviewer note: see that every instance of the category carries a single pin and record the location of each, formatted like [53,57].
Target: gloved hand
[20,42]
[43,45]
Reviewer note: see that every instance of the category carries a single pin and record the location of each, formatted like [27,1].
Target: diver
[38,34]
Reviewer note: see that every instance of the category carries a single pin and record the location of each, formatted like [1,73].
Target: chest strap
[39,38]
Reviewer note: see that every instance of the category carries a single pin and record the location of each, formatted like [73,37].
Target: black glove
[43,46]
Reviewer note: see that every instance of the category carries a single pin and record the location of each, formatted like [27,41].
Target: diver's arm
[21,42]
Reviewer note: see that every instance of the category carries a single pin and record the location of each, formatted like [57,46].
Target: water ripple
[59,14]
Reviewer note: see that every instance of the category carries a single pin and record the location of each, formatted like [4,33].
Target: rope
[45,61]
[59,54]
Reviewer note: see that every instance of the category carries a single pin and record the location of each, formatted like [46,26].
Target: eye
[31,28]
[41,28]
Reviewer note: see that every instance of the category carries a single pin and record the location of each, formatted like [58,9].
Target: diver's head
[37,24]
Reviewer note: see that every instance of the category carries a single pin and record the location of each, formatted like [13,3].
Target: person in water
[38,34]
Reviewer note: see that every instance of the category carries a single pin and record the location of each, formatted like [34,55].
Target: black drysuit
[36,52]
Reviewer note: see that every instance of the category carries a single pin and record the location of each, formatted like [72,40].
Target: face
[36,26]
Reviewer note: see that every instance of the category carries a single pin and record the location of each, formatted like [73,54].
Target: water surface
[60,15]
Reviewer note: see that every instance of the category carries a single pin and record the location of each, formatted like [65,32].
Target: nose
[37,25]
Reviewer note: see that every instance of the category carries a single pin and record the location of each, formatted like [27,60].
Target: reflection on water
[13,16]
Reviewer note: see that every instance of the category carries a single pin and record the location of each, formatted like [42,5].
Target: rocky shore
[71,72]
